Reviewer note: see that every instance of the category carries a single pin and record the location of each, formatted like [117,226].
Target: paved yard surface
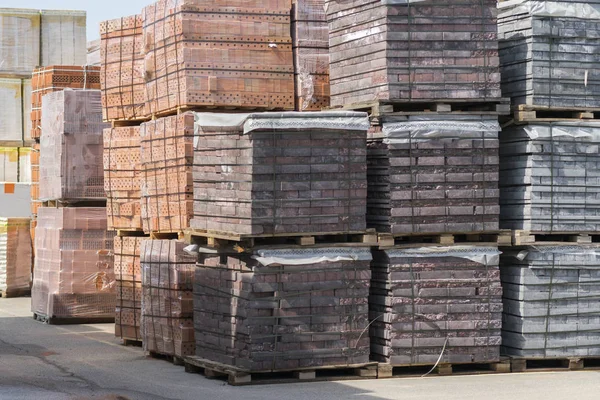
[41,362]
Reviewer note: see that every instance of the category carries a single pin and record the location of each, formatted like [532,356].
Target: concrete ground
[40,361]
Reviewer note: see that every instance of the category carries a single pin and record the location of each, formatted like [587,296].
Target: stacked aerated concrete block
[548,53]
[128,287]
[122,76]
[434,174]
[16,256]
[233,53]
[167,306]
[122,177]
[166,180]
[551,306]
[549,177]
[73,274]
[436,301]
[310,35]
[274,173]
[72,146]
[407,51]
[283,309]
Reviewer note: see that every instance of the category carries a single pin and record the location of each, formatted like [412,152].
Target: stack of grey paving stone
[549,177]
[549,52]
[411,50]
[434,174]
[551,301]
[280,173]
[434,304]
[283,309]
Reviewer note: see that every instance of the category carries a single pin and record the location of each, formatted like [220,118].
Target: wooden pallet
[209,108]
[73,203]
[383,108]
[175,360]
[15,293]
[237,376]
[128,122]
[525,114]
[500,238]
[131,342]
[524,238]
[223,239]
[167,235]
[71,321]
[131,233]
[534,364]
[443,369]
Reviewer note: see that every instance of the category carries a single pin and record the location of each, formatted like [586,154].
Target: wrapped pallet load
[15,256]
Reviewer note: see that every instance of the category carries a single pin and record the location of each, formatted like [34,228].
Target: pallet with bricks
[533,364]
[500,237]
[240,377]
[442,369]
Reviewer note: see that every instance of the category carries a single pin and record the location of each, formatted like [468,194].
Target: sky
[97,10]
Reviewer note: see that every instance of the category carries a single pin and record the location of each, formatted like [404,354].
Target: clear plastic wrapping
[63,40]
[93,53]
[122,59]
[73,274]
[122,177]
[16,258]
[167,309]
[283,316]
[71,158]
[15,164]
[196,57]
[436,304]
[56,78]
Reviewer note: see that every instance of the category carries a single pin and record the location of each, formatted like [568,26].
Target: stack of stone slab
[280,173]
[73,273]
[122,178]
[71,147]
[128,287]
[549,52]
[167,305]
[434,174]
[166,179]
[549,177]
[310,35]
[435,304]
[229,53]
[551,306]
[16,256]
[122,77]
[283,309]
[413,51]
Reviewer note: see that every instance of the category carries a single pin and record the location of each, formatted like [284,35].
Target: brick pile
[167,305]
[56,78]
[128,287]
[551,306]
[548,53]
[71,146]
[122,76]
[273,173]
[310,35]
[122,177]
[548,177]
[229,53]
[73,274]
[16,256]
[413,52]
[436,301]
[283,309]
[434,174]
[166,181]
